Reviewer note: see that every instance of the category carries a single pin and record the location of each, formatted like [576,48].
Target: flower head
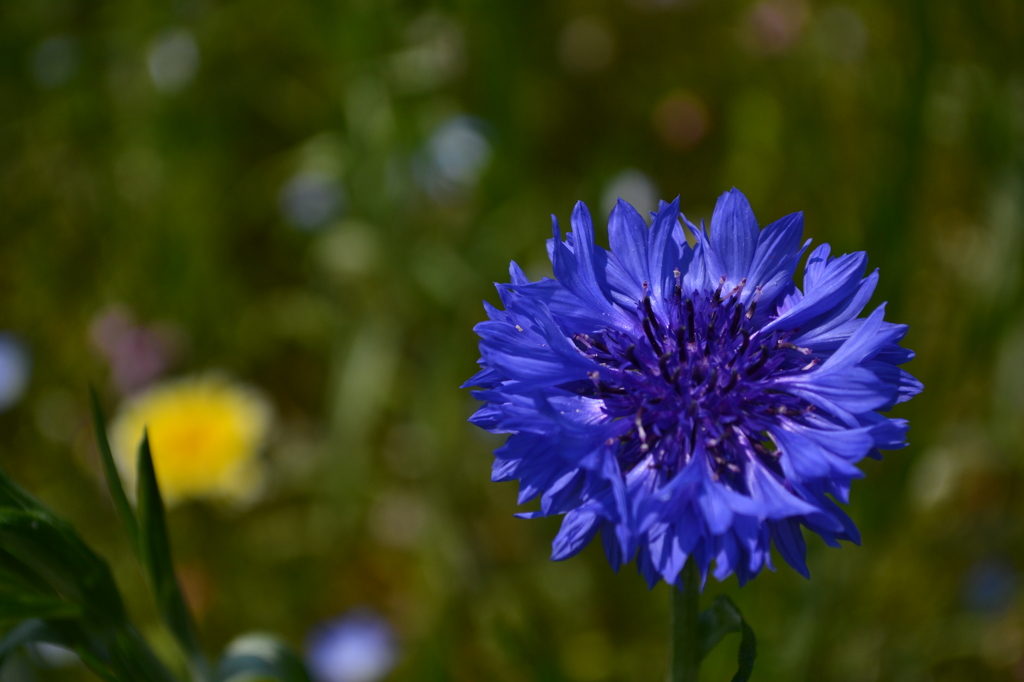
[358,647]
[205,435]
[691,402]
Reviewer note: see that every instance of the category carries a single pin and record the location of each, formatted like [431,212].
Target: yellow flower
[205,434]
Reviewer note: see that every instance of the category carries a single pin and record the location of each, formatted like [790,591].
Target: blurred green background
[314,196]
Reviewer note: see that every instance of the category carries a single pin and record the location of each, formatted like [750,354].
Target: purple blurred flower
[138,355]
[358,647]
[15,368]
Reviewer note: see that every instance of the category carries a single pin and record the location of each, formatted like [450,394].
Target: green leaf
[50,549]
[17,606]
[717,621]
[47,571]
[258,656]
[16,577]
[155,551]
[132,657]
[124,510]
[721,619]
[748,652]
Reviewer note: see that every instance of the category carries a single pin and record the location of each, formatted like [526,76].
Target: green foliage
[63,593]
[124,509]
[155,553]
[54,589]
[721,619]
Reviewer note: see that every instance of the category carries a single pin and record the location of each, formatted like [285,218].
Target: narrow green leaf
[258,656]
[15,606]
[124,510]
[155,550]
[721,619]
[130,654]
[748,652]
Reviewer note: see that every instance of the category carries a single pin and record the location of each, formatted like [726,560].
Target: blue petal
[576,271]
[865,342]
[790,542]
[836,280]
[627,235]
[843,392]
[711,271]
[568,309]
[778,248]
[842,314]
[814,270]
[578,529]
[772,498]
[734,234]
[664,253]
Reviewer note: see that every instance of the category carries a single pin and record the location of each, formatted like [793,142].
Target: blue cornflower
[691,402]
[357,647]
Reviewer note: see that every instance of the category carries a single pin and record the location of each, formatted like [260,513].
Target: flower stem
[685,644]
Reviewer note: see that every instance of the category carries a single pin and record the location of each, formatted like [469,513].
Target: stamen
[734,378]
[641,432]
[762,357]
[712,380]
[663,363]
[711,325]
[630,354]
[734,323]
[651,336]
[744,344]
[811,364]
[689,321]
[738,288]
[793,346]
[718,292]
[753,304]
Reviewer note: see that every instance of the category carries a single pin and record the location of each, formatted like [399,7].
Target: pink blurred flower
[137,354]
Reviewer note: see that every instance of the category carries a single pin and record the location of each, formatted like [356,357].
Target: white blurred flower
[173,60]
[460,151]
[311,199]
[632,186]
[455,156]
[55,61]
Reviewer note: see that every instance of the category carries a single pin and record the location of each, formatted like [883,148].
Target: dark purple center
[695,378]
